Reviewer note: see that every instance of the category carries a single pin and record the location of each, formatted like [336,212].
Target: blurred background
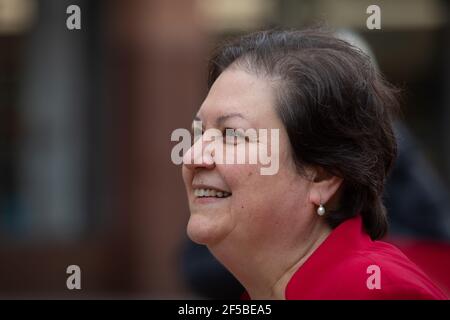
[86,116]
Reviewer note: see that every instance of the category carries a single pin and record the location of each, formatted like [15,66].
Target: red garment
[338,270]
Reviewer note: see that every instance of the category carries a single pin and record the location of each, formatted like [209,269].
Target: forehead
[237,91]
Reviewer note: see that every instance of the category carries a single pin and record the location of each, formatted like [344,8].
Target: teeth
[211,193]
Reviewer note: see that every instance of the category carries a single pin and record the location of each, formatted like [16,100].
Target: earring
[321,210]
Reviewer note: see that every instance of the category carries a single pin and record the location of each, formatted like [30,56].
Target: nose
[200,155]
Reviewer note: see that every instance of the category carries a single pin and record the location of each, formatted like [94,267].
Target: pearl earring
[321,210]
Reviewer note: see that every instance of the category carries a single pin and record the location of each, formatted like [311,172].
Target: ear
[323,187]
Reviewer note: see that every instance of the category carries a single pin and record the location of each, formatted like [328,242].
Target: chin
[203,230]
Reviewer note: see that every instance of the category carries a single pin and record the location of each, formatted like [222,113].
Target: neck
[265,272]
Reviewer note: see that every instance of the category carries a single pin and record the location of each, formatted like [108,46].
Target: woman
[311,230]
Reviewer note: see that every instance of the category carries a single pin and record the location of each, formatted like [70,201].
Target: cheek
[249,189]
[269,193]
[239,176]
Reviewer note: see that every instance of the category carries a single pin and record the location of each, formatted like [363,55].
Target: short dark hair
[336,107]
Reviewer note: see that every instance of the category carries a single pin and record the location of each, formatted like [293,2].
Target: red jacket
[348,264]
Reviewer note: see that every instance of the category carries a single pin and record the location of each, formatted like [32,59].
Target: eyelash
[224,134]
[236,135]
[224,131]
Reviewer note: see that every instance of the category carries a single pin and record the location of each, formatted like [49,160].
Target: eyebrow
[221,119]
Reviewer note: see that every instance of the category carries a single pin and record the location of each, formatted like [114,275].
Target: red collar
[346,237]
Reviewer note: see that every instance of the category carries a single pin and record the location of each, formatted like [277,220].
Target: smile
[203,193]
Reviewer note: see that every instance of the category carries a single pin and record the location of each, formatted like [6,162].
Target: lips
[206,191]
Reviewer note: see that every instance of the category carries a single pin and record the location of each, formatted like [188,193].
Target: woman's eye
[228,132]
[233,136]
[229,136]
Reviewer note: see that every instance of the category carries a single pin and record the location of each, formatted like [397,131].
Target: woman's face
[260,209]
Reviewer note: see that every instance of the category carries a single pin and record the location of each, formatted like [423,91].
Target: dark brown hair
[336,107]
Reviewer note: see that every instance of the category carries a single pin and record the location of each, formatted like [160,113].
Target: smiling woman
[311,230]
